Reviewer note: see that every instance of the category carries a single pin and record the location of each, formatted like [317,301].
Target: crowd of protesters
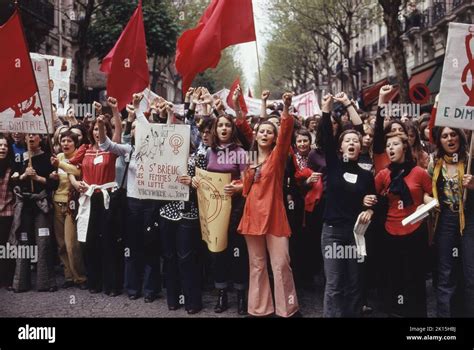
[295,205]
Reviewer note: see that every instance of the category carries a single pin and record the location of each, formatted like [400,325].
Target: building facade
[425,28]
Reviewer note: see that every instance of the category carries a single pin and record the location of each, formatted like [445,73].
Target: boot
[221,305]
[241,302]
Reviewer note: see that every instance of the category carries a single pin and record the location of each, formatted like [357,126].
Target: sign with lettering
[162,155]
[456,97]
[214,208]
[29,116]
[59,74]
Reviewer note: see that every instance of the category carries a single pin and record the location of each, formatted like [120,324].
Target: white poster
[456,97]
[28,116]
[162,156]
[306,104]
[60,75]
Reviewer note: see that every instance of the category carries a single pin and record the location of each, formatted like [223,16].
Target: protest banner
[214,208]
[59,74]
[305,104]
[456,97]
[162,155]
[27,116]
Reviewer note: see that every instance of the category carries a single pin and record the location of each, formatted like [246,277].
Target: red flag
[224,23]
[250,93]
[230,102]
[126,64]
[16,73]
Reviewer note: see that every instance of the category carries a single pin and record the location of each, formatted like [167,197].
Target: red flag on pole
[224,23]
[16,73]
[126,64]
[230,102]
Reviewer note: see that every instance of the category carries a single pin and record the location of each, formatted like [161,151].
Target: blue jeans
[180,242]
[455,265]
[342,294]
[142,249]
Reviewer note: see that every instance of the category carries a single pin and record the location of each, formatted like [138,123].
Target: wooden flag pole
[30,163]
[258,64]
[469,162]
[37,89]
[256,50]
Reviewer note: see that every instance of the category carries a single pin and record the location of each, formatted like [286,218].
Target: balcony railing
[457,3]
[435,13]
[43,10]
[439,10]
[426,18]
[414,20]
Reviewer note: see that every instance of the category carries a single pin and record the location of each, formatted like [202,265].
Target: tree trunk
[351,89]
[82,52]
[154,73]
[395,45]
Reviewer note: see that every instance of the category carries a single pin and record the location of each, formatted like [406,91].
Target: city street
[80,303]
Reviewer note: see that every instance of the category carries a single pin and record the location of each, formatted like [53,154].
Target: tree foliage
[161,29]
[313,31]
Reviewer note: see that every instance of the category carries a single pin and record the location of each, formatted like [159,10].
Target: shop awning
[435,80]
[431,77]
[371,94]
[421,77]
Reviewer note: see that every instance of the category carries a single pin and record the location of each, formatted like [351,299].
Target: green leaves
[161,27]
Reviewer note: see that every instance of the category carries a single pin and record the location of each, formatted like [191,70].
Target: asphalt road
[74,302]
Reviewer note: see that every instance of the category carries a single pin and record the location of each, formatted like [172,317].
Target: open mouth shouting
[452,146]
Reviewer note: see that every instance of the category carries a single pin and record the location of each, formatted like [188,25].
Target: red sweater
[98,167]
[419,183]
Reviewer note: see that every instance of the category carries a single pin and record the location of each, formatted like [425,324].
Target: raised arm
[329,142]
[117,137]
[379,144]
[263,110]
[240,122]
[105,144]
[286,129]
[130,120]
[138,113]
[353,115]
